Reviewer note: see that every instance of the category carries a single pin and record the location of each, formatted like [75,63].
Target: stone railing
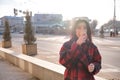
[41,69]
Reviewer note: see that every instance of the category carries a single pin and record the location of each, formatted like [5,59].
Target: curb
[99,78]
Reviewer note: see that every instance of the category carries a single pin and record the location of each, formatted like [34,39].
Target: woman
[79,55]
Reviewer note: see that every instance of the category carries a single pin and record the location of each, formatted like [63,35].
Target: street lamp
[16,11]
[114,18]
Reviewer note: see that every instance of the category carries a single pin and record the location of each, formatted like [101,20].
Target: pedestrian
[79,55]
[116,32]
[110,33]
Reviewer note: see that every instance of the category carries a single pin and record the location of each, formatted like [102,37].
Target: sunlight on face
[81,29]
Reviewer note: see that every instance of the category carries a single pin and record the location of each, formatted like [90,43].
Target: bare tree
[93,26]
[102,32]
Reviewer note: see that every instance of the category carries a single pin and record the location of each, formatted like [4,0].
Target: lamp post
[114,18]
[16,11]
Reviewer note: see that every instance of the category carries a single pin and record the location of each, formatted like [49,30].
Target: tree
[6,34]
[29,34]
[6,43]
[29,48]
[93,25]
[102,32]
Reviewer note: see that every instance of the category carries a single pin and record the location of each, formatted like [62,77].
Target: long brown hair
[73,32]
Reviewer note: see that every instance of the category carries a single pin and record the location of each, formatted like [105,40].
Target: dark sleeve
[97,61]
[68,54]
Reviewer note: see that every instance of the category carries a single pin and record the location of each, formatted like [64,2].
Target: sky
[101,10]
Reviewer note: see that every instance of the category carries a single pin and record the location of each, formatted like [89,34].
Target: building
[82,18]
[46,22]
[110,26]
[0,21]
[67,23]
[16,23]
[1,27]
[42,23]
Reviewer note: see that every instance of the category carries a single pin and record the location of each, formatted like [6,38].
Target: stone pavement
[10,72]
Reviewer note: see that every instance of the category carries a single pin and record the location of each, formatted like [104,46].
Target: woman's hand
[91,67]
[81,39]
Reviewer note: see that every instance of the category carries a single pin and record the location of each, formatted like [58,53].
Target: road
[49,46]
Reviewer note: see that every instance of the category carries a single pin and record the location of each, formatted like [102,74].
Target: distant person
[111,33]
[79,55]
[117,32]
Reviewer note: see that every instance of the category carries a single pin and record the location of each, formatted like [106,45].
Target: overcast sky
[101,10]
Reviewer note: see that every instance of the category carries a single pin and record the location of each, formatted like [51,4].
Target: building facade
[16,23]
[46,22]
[42,23]
[1,27]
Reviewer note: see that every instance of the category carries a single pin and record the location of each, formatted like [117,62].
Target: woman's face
[81,29]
